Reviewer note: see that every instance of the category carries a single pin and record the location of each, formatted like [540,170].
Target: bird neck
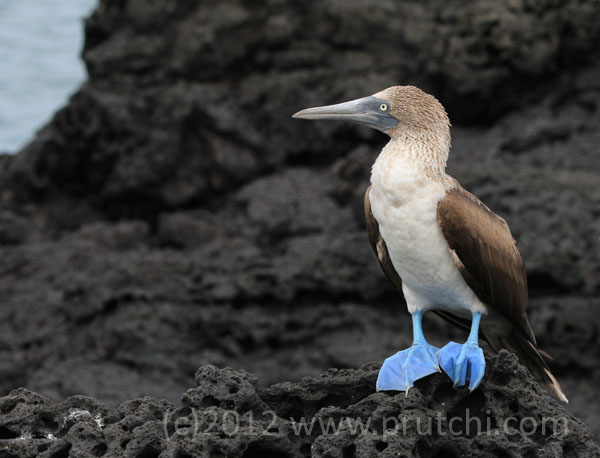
[422,157]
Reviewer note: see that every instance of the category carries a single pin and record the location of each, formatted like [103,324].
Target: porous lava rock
[335,415]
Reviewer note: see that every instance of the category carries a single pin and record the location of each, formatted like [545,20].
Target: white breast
[404,202]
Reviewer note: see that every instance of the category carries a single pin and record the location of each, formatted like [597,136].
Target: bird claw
[462,363]
[400,371]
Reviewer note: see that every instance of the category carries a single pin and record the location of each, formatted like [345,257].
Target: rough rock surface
[173,214]
[335,415]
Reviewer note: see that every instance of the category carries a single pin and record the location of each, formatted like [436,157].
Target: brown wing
[487,256]
[379,246]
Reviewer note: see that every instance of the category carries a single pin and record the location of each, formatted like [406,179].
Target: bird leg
[464,362]
[401,370]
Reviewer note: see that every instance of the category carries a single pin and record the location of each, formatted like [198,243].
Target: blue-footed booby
[439,245]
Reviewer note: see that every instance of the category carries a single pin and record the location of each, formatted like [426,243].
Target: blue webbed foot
[462,363]
[401,370]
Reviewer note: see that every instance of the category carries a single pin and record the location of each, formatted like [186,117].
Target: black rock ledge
[336,415]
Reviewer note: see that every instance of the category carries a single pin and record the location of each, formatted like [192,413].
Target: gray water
[40,44]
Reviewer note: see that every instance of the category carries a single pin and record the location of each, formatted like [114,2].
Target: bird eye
[383,107]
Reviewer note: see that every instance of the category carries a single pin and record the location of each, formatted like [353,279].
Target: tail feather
[533,359]
[545,355]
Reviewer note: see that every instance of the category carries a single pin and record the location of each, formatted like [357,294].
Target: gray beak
[366,111]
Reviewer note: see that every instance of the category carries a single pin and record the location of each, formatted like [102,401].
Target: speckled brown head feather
[423,127]
[416,110]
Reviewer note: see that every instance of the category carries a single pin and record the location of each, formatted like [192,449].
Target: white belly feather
[404,202]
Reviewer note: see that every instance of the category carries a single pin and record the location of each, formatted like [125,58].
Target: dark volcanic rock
[173,214]
[335,415]
[186,101]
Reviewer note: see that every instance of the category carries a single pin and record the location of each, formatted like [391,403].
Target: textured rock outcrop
[336,415]
[173,214]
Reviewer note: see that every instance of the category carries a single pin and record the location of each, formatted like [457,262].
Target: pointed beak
[365,111]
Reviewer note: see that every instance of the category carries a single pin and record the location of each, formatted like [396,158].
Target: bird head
[399,111]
